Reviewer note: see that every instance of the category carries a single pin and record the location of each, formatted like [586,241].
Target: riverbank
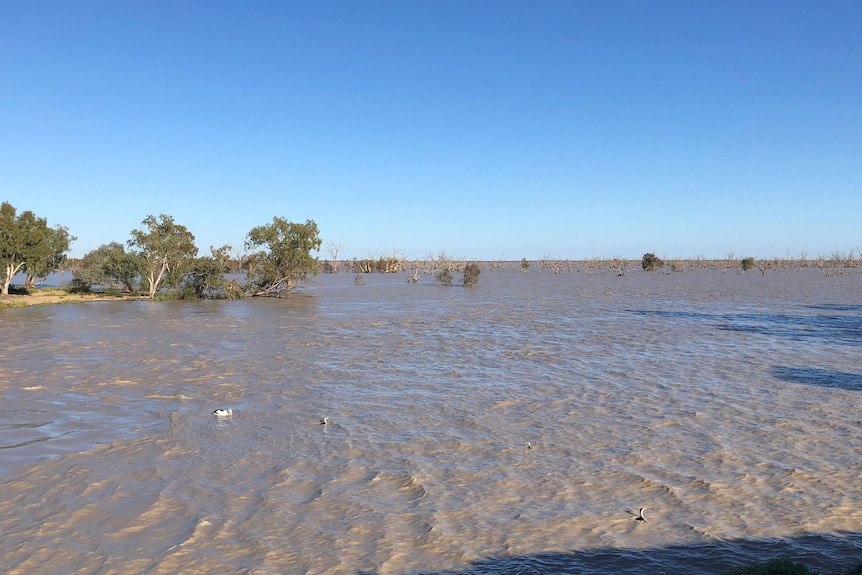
[47,296]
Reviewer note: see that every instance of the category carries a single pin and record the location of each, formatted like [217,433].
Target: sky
[487,130]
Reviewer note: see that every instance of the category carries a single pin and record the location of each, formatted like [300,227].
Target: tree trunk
[154,282]
[11,270]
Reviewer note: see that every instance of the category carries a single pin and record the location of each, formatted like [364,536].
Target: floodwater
[726,404]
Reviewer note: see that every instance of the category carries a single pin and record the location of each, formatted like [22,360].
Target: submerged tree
[444,277]
[206,276]
[286,259]
[471,275]
[651,262]
[166,247]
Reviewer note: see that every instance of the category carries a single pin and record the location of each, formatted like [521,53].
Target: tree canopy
[286,259]
[167,248]
[206,276]
[52,256]
[27,243]
[161,252]
[111,266]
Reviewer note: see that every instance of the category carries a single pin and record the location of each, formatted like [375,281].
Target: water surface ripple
[728,405]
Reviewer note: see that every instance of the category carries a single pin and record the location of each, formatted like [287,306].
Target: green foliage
[471,275]
[206,278]
[651,262]
[234,290]
[27,243]
[747,264]
[166,248]
[773,567]
[109,266]
[53,256]
[287,258]
[444,277]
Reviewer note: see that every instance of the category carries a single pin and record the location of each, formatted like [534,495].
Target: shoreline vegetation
[437,267]
[161,261]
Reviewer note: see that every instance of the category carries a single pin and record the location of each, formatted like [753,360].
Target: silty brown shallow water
[726,404]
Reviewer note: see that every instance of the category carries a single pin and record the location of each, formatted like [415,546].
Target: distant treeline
[834,264]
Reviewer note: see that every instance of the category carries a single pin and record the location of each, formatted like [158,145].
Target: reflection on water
[727,405]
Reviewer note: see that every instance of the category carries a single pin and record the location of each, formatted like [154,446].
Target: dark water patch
[819,377]
[837,307]
[824,553]
[829,328]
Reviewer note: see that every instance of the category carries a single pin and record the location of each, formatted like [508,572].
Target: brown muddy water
[726,404]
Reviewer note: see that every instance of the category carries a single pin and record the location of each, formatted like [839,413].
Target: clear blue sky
[484,129]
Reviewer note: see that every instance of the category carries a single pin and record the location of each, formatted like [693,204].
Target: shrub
[747,264]
[75,285]
[525,265]
[651,263]
[471,275]
[444,277]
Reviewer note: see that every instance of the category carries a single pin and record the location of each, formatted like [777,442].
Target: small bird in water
[640,516]
[324,421]
[223,412]
[529,445]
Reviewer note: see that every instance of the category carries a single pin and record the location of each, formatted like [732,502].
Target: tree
[166,248]
[59,242]
[207,274]
[444,277]
[651,262]
[287,258]
[27,243]
[333,249]
[471,275]
[111,266]
[10,245]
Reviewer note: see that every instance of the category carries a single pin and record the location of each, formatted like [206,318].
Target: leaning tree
[286,258]
[166,248]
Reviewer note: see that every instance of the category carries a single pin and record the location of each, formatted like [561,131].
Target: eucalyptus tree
[11,245]
[206,276]
[286,258]
[27,243]
[167,249]
[52,255]
[111,266]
